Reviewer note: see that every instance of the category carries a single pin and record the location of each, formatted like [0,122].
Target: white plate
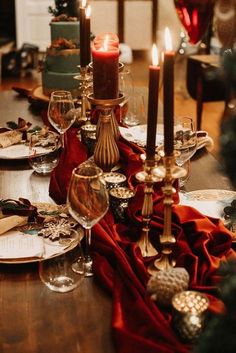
[19,151]
[210,202]
[26,240]
[23,245]
[51,249]
[138,134]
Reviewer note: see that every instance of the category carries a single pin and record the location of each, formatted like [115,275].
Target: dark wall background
[7,21]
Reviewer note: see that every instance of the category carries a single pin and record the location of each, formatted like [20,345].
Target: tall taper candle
[87,34]
[82,33]
[168,94]
[154,73]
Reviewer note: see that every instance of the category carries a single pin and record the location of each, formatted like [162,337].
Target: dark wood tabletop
[35,319]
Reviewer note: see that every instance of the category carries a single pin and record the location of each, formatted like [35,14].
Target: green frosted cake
[62,58]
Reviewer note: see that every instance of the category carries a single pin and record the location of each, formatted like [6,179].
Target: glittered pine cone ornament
[163,285]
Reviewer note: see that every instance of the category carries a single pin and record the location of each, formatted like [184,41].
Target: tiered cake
[62,58]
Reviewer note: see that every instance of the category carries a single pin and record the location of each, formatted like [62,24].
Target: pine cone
[165,284]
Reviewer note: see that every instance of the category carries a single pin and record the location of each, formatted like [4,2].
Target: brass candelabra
[147,176]
[170,172]
[85,82]
[106,153]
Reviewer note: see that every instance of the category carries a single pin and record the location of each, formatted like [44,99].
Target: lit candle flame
[84,3]
[155,60]
[88,11]
[168,40]
[105,43]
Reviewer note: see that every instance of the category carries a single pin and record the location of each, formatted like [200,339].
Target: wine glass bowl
[87,201]
[61,111]
[44,151]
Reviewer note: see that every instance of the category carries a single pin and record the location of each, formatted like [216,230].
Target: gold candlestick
[167,239]
[147,176]
[106,153]
[85,80]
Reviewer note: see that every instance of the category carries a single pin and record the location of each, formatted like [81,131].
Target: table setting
[119,219]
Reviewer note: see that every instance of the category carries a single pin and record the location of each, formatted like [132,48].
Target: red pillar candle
[87,34]
[154,73]
[105,71]
[168,94]
[82,33]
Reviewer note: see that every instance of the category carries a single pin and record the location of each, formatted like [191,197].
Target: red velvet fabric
[139,325]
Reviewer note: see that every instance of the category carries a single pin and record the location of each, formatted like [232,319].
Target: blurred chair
[205,82]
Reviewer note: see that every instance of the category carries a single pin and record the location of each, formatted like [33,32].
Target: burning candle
[87,34]
[154,73]
[111,38]
[82,33]
[105,71]
[168,94]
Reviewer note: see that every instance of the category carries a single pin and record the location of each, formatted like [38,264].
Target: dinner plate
[210,202]
[26,238]
[20,151]
[138,134]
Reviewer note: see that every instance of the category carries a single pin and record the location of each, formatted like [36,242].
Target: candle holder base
[106,153]
[167,239]
[146,247]
[146,175]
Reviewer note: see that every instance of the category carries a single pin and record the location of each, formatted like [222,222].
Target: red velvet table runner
[138,324]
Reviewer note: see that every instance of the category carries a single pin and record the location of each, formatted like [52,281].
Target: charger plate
[20,151]
[51,248]
[138,134]
[210,202]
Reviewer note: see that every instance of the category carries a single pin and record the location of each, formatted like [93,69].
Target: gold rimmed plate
[24,245]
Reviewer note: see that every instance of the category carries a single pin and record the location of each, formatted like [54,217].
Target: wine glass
[185,140]
[135,110]
[61,112]
[126,86]
[87,201]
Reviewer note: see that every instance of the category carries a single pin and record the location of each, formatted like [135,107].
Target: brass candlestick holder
[85,79]
[106,153]
[167,239]
[147,176]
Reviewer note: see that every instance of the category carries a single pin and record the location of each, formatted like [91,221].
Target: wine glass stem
[88,262]
[62,139]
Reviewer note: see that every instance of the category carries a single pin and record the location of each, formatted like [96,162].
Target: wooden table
[34,319]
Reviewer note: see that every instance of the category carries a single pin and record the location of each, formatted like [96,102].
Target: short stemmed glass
[185,140]
[87,201]
[61,112]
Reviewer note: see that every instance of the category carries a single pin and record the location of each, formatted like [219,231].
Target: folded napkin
[204,140]
[10,222]
[10,138]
